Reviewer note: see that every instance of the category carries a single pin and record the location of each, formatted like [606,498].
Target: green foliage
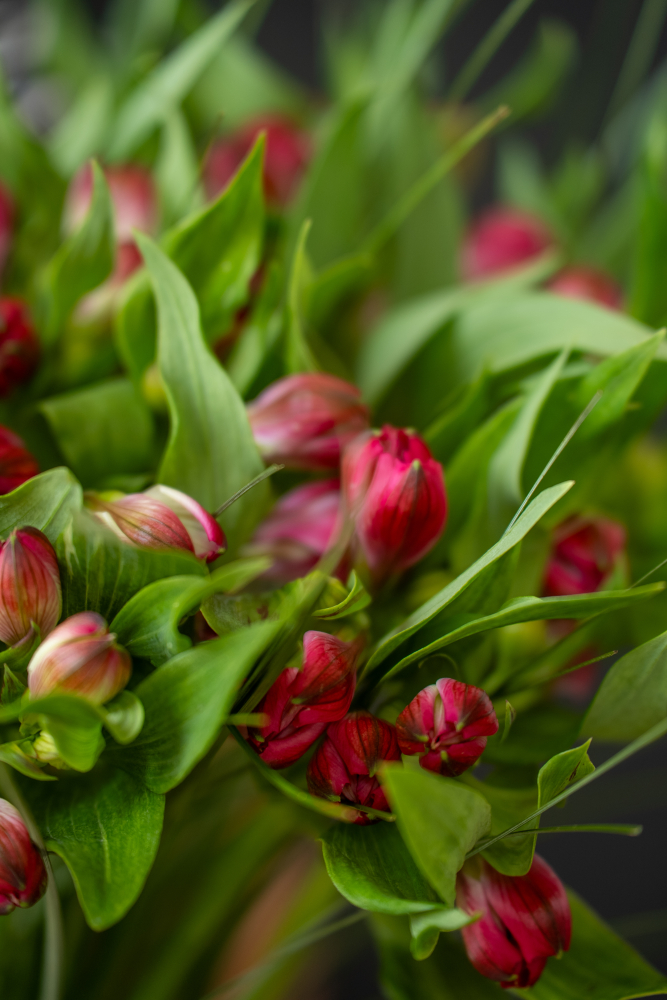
[48,502]
[633,696]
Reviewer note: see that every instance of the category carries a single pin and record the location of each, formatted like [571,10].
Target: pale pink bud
[17,465]
[29,585]
[207,537]
[447,724]
[305,421]
[133,195]
[80,657]
[22,871]
[579,281]
[502,239]
[300,703]
[298,530]
[394,491]
[525,919]
[19,346]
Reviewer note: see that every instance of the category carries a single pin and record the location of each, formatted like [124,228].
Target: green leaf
[102,430]
[503,334]
[171,80]
[372,868]
[100,572]
[355,600]
[124,717]
[82,130]
[457,423]
[82,262]
[426,927]
[48,502]
[14,755]
[532,514]
[186,702]
[598,966]
[148,624]
[106,828]
[211,452]
[177,169]
[440,821]
[632,696]
[525,609]
[298,355]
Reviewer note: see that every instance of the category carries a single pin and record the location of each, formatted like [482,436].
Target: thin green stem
[52,968]
[622,829]
[653,734]
[248,486]
[409,201]
[640,53]
[487,48]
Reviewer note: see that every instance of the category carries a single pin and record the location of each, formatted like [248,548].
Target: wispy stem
[487,48]
[248,486]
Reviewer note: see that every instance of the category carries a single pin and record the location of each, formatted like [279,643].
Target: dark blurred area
[624,879]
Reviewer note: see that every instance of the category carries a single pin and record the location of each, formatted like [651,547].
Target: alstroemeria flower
[301,703]
[29,585]
[394,490]
[344,766]
[305,421]
[161,518]
[447,724]
[525,919]
[22,871]
[501,239]
[80,657]
[17,465]
[585,552]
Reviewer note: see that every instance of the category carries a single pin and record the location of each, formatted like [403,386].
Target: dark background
[624,879]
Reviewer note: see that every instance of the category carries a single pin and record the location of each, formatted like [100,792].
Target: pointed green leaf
[48,502]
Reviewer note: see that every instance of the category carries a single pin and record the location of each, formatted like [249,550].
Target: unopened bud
[580,281]
[19,346]
[80,657]
[22,871]
[502,239]
[584,554]
[30,595]
[17,465]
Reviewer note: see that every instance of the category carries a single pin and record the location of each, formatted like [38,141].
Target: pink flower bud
[344,766]
[17,465]
[395,493]
[298,530]
[584,553]
[305,421]
[6,225]
[583,282]
[287,153]
[161,518]
[132,193]
[448,724]
[80,657]
[22,870]
[19,346]
[502,239]
[525,919]
[301,703]
[29,586]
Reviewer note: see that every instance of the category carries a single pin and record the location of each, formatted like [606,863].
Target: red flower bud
[582,282]
[19,346]
[585,551]
[162,518]
[80,657]
[298,530]
[305,421]
[22,870]
[17,465]
[395,492]
[448,723]
[525,919]
[301,702]
[286,157]
[501,239]
[344,765]
[6,224]
[132,193]
[29,586]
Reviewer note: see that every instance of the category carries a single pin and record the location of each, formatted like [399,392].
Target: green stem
[623,829]
[653,734]
[409,201]
[640,53]
[52,969]
[487,48]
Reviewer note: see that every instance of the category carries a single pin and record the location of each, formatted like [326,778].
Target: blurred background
[605,70]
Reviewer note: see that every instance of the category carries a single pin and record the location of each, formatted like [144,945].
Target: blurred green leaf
[177,168]
[74,725]
[186,702]
[148,624]
[82,131]
[632,696]
[100,572]
[598,966]
[48,502]
[124,717]
[171,80]
[298,355]
[211,452]
[102,430]
[357,599]
[372,868]
[648,298]
[106,828]
[439,820]
[82,263]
